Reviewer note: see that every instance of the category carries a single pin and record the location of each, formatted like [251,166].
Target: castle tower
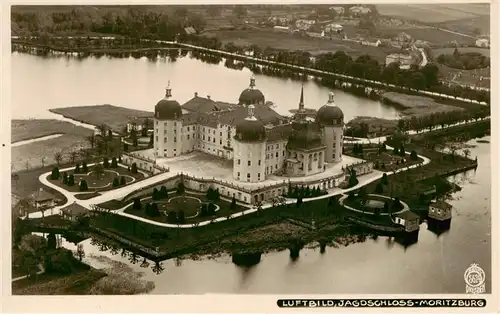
[331,121]
[167,126]
[249,149]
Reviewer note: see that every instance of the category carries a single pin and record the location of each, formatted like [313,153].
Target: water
[39,84]
[433,265]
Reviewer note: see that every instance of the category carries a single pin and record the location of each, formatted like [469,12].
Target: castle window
[220,142]
[277,154]
[164,139]
[188,136]
[248,175]
[209,138]
[238,174]
[157,138]
[259,162]
[213,140]
[258,176]
[203,136]
[220,133]
[283,153]
[188,129]
[164,132]
[239,161]
[175,123]
[249,163]
[277,146]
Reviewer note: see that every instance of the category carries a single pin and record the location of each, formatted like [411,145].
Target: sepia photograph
[257,149]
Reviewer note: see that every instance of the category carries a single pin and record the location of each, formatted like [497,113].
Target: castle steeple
[301,116]
[252,82]
[168,91]
[301,102]
[331,99]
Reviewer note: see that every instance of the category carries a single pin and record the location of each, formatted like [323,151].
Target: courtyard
[201,165]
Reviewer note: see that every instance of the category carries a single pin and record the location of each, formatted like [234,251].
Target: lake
[39,84]
[436,264]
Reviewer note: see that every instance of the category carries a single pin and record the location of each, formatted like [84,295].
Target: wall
[167,137]
[275,156]
[439,213]
[143,163]
[249,161]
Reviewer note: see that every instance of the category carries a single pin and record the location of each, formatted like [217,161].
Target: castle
[260,141]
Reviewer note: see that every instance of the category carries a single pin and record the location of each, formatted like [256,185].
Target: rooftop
[41,196]
[441,204]
[74,210]
[408,215]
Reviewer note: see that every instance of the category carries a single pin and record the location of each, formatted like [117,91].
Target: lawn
[96,183]
[40,153]
[27,183]
[434,36]
[415,105]
[29,129]
[279,40]
[433,13]
[114,117]
[373,203]
[479,77]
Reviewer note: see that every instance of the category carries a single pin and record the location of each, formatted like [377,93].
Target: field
[113,116]
[449,51]
[466,77]
[434,13]
[285,41]
[42,153]
[435,37]
[29,129]
[415,105]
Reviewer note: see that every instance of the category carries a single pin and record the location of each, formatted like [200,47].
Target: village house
[73,211]
[409,220]
[43,200]
[279,20]
[483,43]
[405,61]
[304,24]
[338,10]
[333,28]
[371,43]
[138,124]
[359,10]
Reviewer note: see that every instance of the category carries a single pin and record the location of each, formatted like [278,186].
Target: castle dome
[167,108]
[250,129]
[330,114]
[251,95]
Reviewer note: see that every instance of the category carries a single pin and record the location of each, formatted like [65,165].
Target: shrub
[123,181]
[181,216]
[163,192]
[114,163]
[137,204]
[77,168]
[133,169]
[71,180]
[84,167]
[413,155]
[55,174]
[384,180]
[105,162]
[299,201]
[155,195]
[232,207]
[116,182]
[181,188]
[83,186]
[65,178]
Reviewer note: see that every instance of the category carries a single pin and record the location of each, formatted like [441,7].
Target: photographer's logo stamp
[475,278]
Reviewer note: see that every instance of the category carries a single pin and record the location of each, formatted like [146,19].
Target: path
[41,271]
[121,192]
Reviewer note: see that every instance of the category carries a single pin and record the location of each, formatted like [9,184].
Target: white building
[440,210]
[483,43]
[338,10]
[405,61]
[258,140]
[337,28]
[304,24]
[359,10]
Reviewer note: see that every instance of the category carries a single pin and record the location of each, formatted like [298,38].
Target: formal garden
[179,206]
[101,176]
[384,159]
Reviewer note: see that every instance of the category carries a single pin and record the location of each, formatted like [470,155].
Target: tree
[91,140]
[163,192]
[98,170]
[83,186]
[180,188]
[466,153]
[116,182]
[123,181]
[384,180]
[58,157]
[114,163]
[232,207]
[133,169]
[181,217]
[137,204]
[71,180]
[55,174]
[64,178]
[80,253]
[77,168]
[73,156]
[155,195]
[51,241]
[105,162]
[84,167]
[413,155]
